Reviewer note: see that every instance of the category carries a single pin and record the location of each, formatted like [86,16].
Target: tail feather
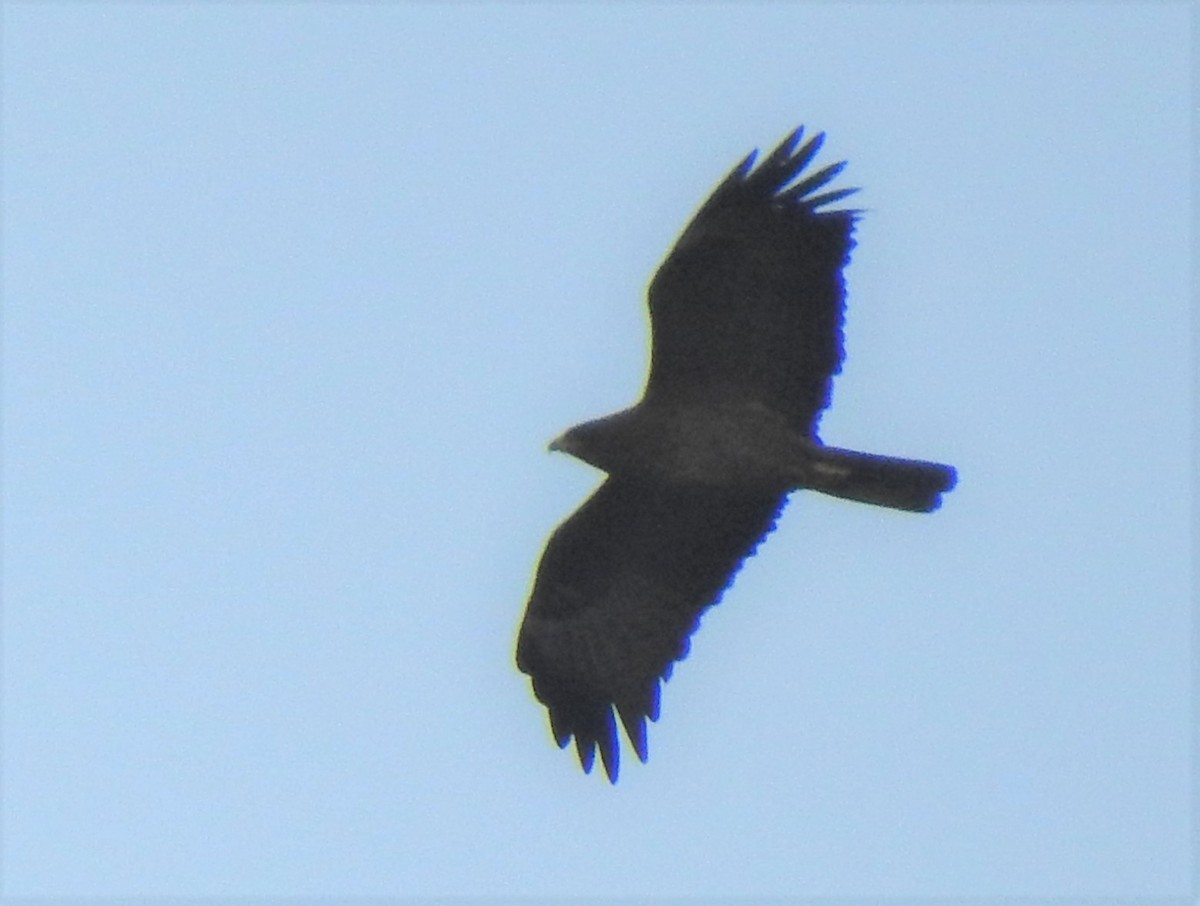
[902,484]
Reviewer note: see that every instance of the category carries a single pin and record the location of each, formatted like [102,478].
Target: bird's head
[573,442]
[560,444]
[601,443]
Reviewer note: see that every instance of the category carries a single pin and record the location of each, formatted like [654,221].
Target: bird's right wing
[619,590]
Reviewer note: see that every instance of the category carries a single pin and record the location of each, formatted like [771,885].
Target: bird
[746,315]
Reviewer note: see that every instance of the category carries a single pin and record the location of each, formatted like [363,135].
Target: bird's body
[745,447]
[747,316]
[715,444]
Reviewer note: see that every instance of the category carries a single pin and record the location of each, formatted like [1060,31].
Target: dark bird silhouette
[746,315]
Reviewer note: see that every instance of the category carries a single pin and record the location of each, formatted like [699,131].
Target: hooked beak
[564,443]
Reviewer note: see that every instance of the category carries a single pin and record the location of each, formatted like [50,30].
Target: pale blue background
[294,296]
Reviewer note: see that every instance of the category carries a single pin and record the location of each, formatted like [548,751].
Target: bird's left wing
[749,302]
[619,590]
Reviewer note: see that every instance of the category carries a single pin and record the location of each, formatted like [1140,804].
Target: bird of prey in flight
[746,317]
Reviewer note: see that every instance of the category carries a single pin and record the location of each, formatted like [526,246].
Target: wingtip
[746,165]
[586,752]
[770,175]
[610,754]
[635,729]
[782,156]
[800,193]
[787,161]
[813,145]
[830,197]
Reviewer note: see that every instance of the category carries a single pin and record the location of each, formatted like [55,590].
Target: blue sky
[294,297]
